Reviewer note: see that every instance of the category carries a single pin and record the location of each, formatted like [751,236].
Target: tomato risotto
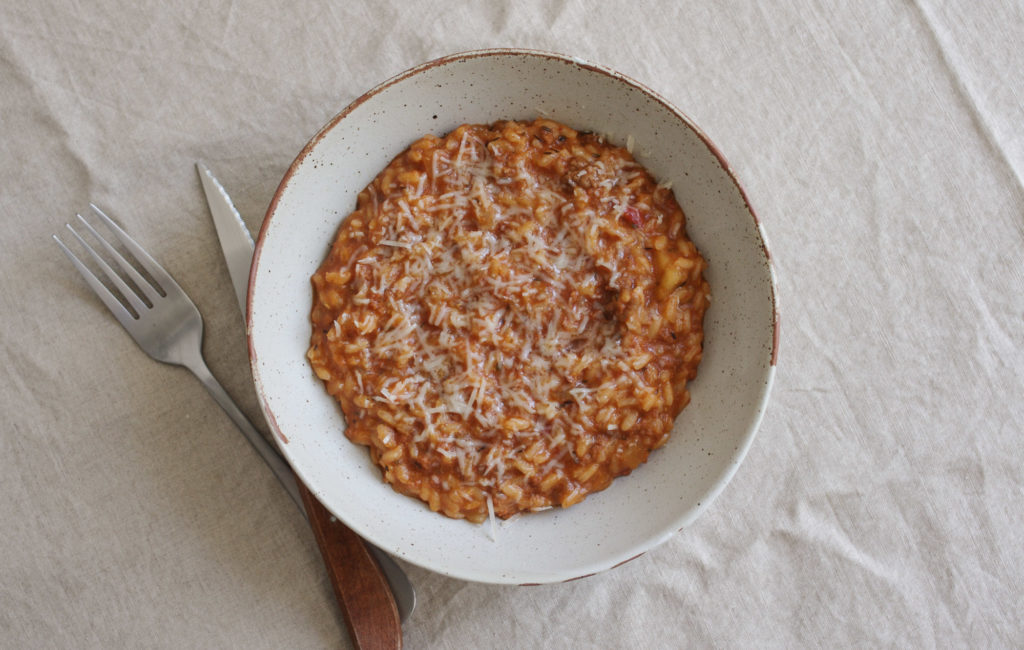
[510,317]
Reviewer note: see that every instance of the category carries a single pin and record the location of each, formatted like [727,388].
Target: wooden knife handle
[359,585]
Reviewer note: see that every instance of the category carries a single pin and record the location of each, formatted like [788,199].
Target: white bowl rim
[748,436]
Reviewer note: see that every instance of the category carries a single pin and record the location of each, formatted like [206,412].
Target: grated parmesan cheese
[503,316]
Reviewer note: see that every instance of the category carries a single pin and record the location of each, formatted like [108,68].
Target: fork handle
[277,464]
[360,587]
[400,587]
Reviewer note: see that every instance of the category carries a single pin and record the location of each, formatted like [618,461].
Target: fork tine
[133,298]
[129,270]
[156,271]
[115,306]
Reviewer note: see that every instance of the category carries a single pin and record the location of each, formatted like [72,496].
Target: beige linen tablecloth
[882,145]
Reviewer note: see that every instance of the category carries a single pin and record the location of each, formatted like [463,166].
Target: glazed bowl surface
[728,398]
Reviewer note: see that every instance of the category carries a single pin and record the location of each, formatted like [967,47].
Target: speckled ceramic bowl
[711,436]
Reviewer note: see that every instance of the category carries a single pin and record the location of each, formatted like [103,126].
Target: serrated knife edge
[229,224]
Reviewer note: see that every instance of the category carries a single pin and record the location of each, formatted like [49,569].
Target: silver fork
[165,323]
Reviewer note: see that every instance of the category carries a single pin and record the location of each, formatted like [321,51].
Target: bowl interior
[728,397]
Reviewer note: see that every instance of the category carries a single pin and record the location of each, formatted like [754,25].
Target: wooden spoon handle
[360,587]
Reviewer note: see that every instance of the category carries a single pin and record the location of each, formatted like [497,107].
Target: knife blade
[338,544]
[235,240]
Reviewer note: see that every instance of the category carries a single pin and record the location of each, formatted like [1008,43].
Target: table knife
[371,588]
